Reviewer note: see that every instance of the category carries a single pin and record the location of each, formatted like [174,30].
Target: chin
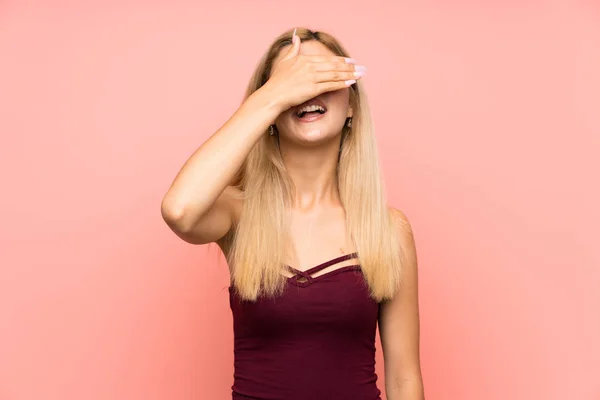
[314,134]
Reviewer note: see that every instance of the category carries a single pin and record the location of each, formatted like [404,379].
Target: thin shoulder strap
[324,265]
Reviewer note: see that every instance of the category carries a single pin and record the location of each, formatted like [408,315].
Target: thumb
[295,49]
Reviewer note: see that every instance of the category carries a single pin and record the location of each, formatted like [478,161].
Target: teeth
[312,108]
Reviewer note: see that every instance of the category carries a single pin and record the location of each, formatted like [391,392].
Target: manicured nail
[294,37]
[350,82]
[350,60]
[358,74]
[360,68]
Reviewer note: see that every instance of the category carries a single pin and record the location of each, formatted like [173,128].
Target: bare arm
[399,327]
[199,205]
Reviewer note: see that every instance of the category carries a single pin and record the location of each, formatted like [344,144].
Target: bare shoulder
[232,197]
[405,233]
[401,221]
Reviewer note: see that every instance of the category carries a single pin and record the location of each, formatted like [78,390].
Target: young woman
[290,189]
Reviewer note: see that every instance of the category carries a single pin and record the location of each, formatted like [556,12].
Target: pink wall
[488,117]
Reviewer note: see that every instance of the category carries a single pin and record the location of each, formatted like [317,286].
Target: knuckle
[343,68]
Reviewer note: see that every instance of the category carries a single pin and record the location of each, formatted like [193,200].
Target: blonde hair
[260,237]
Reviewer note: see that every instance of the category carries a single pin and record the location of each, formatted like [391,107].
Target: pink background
[488,119]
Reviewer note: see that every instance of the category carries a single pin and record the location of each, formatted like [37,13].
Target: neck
[314,173]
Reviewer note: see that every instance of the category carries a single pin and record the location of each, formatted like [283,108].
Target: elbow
[174,216]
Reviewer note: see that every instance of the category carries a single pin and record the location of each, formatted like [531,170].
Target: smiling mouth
[310,111]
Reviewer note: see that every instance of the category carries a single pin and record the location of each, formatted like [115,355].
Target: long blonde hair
[260,237]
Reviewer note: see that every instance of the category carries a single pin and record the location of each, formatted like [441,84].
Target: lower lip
[311,118]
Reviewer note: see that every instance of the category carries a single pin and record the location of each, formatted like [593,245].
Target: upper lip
[310,102]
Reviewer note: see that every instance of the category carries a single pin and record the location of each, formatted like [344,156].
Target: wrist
[267,101]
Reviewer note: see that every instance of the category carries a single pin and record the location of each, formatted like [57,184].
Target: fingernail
[360,68]
[358,74]
[294,34]
[350,82]
[350,60]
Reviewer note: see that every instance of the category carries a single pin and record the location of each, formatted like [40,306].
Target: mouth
[310,111]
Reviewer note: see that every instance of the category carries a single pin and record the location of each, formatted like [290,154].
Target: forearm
[214,164]
[405,389]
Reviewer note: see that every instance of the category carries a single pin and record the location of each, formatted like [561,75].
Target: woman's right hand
[298,78]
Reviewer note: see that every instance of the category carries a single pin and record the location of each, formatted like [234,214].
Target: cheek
[284,118]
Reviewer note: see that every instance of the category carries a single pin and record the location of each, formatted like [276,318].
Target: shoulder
[405,232]
[401,221]
[232,200]
[233,196]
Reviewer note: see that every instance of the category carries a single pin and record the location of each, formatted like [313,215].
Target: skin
[399,327]
[309,151]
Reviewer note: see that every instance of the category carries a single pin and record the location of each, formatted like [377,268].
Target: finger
[295,49]
[337,66]
[336,76]
[332,86]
